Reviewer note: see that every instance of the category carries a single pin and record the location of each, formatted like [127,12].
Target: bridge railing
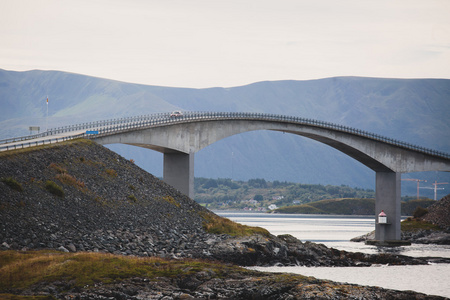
[110,126]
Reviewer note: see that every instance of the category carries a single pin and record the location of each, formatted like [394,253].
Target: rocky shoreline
[210,284]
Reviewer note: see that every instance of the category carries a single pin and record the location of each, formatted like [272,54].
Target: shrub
[12,183]
[258,197]
[70,180]
[132,198]
[171,200]
[111,172]
[419,212]
[57,168]
[53,188]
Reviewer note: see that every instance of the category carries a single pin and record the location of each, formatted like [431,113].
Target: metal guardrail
[32,143]
[107,127]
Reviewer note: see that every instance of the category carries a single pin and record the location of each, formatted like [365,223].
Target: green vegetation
[70,180]
[12,183]
[171,200]
[218,225]
[229,194]
[53,188]
[419,212]
[411,224]
[57,168]
[334,206]
[409,207]
[111,172]
[132,198]
[352,207]
[20,270]
[21,297]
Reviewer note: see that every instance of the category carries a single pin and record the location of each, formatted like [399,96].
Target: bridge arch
[180,140]
[190,137]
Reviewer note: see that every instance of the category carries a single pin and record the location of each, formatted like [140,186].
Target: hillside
[413,110]
[350,206]
[81,196]
[439,213]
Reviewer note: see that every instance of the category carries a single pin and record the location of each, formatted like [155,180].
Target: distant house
[277,197]
[272,207]
[296,202]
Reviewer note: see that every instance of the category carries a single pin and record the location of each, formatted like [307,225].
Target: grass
[53,188]
[218,225]
[12,183]
[21,270]
[57,168]
[349,206]
[171,200]
[111,172]
[411,224]
[344,206]
[21,297]
[70,180]
[132,198]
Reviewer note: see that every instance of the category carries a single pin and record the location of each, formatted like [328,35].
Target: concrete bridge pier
[178,171]
[388,199]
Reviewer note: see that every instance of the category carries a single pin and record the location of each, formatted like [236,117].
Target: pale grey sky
[206,43]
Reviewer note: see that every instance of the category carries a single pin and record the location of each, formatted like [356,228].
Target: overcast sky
[206,43]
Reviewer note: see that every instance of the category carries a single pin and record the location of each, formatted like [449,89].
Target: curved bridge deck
[179,137]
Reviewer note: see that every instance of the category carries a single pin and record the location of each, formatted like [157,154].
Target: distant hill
[411,110]
[350,206]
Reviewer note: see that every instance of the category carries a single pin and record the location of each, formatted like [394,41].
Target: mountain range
[411,110]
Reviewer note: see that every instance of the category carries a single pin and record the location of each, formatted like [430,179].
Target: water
[336,231]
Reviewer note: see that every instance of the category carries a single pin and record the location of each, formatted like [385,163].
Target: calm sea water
[336,232]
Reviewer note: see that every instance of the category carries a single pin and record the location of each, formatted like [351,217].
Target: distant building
[296,202]
[272,207]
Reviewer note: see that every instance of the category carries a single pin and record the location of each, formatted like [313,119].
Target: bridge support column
[387,198]
[178,171]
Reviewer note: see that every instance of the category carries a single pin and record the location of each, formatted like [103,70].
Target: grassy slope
[349,206]
[32,271]
[20,270]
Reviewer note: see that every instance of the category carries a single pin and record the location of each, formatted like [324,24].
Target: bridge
[180,137]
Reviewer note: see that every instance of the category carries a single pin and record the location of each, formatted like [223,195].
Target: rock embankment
[108,205]
[81,196]
[439,213]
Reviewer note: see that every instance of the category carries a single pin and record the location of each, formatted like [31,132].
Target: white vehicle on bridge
[176,114]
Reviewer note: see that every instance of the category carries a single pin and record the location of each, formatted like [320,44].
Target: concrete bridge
[180,137]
